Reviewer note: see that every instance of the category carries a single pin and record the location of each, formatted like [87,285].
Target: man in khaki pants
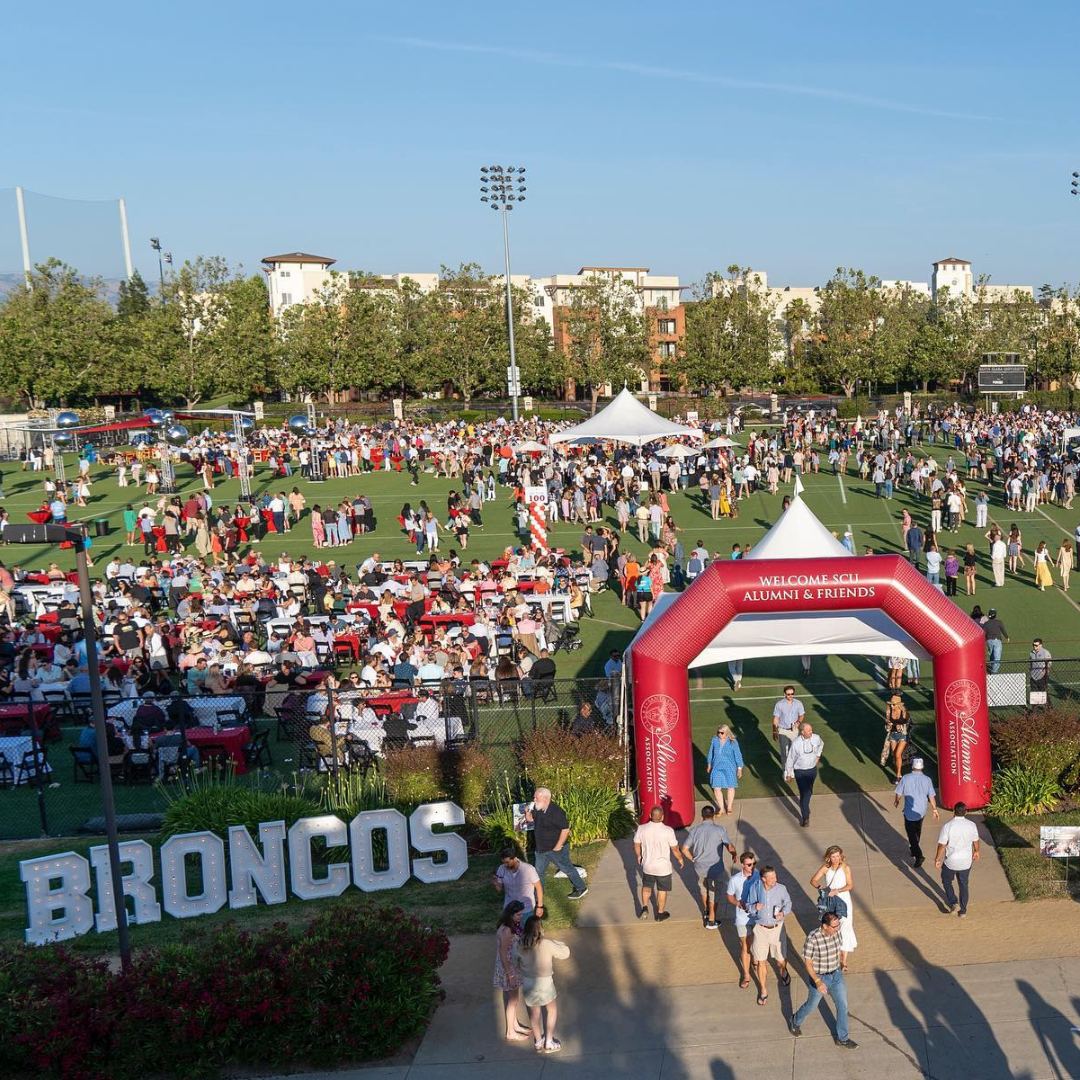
[998,551]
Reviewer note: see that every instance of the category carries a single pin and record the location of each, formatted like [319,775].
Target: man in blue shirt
[918,793]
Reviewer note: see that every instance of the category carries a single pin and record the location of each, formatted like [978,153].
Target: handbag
[832,905]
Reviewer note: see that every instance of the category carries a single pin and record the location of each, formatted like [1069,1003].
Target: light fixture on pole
[59,534]
[1075,189]
[501,187]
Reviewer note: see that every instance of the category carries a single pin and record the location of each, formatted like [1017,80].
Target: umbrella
[718,444]
[530,446]
[678,451]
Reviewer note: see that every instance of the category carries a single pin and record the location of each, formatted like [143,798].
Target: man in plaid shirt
[821,955]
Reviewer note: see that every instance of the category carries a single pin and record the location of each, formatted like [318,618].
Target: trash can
[101,526]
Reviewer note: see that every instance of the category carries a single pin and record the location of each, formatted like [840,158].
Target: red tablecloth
[268,517]
[44,651]
[242,524]
[430,622]
[39,517]
[18,712]
[37,579]
[352,640]
[390,702]
[233,739]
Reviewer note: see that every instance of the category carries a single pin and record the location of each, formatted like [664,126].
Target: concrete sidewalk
[865,824]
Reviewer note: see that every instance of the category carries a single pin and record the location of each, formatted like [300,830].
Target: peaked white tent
[799,535]
[626,420]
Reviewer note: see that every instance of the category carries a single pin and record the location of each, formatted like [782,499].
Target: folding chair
[84,765]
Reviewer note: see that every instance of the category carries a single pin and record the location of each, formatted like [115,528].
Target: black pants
[914,836]
[805,779]
[950,586]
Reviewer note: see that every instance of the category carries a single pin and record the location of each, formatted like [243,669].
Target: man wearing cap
[996,634]
[918,794]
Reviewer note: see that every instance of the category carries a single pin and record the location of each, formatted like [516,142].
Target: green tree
[133,297]
[55,336]
[732,333]
[847,320]
[244,340]
[315,341]
[606,335]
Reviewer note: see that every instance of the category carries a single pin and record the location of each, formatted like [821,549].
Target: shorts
[742,929]
[659,882]
[768,941]
[538,991]
[709,887]
[898,736]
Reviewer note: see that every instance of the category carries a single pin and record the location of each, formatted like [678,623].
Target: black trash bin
[101,526]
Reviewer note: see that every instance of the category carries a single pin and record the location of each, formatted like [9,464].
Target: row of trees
[210,332]
[861,332]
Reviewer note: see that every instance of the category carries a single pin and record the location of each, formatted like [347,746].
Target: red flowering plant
[353,984]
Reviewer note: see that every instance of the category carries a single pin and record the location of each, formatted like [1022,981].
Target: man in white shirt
[802,765]
[998,551]
[654,844]
[736,886]
[787,714]
[957,849]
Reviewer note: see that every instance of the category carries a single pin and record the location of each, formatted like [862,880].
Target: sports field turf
[842,695]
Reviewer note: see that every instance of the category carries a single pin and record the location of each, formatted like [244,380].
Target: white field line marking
[843,493]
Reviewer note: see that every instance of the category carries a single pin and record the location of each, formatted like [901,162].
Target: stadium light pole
[1075,189]
[58,534]
[155,243]
[500,188]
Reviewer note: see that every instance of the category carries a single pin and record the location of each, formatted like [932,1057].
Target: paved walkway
[992,997]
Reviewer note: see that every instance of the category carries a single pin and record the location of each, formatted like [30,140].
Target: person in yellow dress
[1042,567]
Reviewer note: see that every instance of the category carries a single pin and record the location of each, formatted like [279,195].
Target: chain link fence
[50,773]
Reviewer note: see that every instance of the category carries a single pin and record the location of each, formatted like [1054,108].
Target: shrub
[348,792]
[353,984]
[469,771]
[595,813]
[1023,790]
[413,775]
[214,803]
[554,758]
[1046,739]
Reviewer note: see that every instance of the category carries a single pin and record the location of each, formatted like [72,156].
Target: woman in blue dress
[725,766]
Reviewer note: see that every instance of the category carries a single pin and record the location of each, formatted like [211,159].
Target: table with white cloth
[124,711]
[557,603]
[14,747]
[437,726]
[210,707]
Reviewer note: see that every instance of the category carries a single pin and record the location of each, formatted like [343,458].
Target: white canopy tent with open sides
[625,420]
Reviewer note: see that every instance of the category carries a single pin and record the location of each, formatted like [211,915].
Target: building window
[539,301]
[286,298]
[662,303]
[667,348]
[665,326]
[286,273]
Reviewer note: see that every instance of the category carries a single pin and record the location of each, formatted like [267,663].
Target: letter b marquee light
[660,658]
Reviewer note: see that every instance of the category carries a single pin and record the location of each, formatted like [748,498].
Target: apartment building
[295,278]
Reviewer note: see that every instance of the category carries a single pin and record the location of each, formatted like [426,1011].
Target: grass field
[842,694]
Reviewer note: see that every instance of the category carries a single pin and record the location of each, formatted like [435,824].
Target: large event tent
[799,535]
[625,420]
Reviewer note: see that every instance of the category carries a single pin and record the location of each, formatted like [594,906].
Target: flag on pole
[798,486]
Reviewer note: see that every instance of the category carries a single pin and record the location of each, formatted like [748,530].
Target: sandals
[763,999]
[744,984]
[553,1047]
[785,979]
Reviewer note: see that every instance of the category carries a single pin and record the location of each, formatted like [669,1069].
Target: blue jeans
[562,860]
[993,651]
[933,576]
[834,981]
[961,878]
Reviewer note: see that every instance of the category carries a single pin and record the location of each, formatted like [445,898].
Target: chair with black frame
[34,767]
[257,752]
[84,764]
[7,774]
[291,718]
[82,706]
[139,766]
[358,754]
[172,757]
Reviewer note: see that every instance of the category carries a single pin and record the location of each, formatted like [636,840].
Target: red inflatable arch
[659,658]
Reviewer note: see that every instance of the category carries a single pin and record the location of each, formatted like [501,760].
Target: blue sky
[788,137]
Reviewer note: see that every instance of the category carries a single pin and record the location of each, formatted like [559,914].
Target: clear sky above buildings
[782,136]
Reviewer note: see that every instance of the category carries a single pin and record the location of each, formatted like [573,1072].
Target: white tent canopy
[677,450]
[1068,435]
[626,420]
[799,535]
[720,443]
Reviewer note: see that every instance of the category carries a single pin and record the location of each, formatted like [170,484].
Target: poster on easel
[1059,841]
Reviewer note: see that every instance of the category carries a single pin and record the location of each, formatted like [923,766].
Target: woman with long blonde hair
[835,877]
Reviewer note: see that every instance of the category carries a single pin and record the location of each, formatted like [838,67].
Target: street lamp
[59,534]
[500,188]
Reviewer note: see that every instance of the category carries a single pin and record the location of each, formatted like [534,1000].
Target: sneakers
[712,926]
[919,861]
[950,909]
[643,914]
[663,915]
[962,914]
[847,1044]
[794,1028]
[577,894]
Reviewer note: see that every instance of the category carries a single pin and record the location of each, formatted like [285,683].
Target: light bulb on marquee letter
[426,840]
[397,846]
[304,883]
[252,871]
[137,884]
[61,913]
[211,853]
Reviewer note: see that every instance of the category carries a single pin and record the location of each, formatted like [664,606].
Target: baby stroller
[561,635]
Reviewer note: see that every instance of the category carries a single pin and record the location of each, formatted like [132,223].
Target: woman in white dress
[835,875]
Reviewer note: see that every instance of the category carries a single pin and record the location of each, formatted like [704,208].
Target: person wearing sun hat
[918,795]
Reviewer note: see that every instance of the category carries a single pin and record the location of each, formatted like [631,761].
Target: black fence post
[37,738]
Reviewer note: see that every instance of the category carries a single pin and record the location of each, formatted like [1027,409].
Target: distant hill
[13,279]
